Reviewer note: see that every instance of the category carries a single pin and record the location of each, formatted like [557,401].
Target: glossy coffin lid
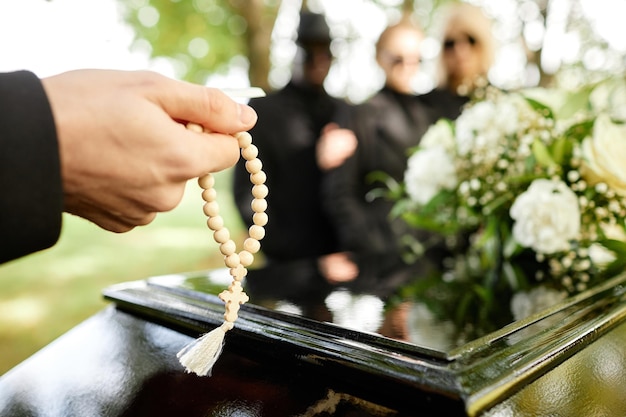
[478,374]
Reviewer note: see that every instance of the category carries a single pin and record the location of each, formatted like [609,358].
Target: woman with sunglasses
[467,54]
[386,125]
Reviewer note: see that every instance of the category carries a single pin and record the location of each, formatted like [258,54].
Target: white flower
[600,255]
[527,303]
[605,154]
[439,135]
[429,171]
[610,97]
[481,127]
[546,216]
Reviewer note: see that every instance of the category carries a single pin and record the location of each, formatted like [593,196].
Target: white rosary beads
[200,355]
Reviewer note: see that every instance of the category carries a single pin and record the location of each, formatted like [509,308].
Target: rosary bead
[253,166]
[260,219]
[209,195]
[194,127]
[228,248]
[221,236]
[244,139]
[256,232]
[206,181]
[215,223]
[200,356]
[232,260]
[211,209]
[259,205]
[249,153]
[260,191]
[246,258]
[252,245]
[258,178]
[238,272]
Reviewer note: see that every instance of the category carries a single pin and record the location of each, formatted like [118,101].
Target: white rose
[429,171]
[604,154]
[439,135]
[610,97]
[546,216]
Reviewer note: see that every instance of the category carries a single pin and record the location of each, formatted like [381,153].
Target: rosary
[200,355]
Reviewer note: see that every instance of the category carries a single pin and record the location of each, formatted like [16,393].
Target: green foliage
[213,26]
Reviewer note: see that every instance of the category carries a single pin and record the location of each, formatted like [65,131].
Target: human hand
[334,146]
[337,267]
[125,152]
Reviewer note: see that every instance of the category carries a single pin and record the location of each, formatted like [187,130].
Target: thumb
[330,127]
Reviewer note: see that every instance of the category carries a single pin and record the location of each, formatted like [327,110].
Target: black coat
[31,203]
[387,126]
[289,125]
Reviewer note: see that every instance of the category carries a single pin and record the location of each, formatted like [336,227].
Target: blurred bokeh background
[237,43]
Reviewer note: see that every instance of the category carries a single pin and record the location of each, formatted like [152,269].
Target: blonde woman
[467,54]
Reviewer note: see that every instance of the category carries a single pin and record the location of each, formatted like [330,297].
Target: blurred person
[386,125]
[467,54]
[293,138]
[109,146]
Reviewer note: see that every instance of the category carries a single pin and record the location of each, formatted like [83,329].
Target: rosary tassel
[200,355]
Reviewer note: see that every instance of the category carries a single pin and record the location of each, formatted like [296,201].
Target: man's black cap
[313,29]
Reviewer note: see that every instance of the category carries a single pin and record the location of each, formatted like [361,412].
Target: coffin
[302,347]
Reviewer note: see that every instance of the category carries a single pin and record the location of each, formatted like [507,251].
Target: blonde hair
[473,21]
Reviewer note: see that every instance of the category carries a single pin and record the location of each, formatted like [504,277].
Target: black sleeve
[342,188]
[31,199]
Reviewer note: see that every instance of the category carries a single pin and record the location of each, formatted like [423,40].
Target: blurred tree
[203,37]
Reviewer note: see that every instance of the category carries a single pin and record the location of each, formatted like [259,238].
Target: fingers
[208,107]
[113,222]
[338,268]
[195,153]
[330,127]
[123,212]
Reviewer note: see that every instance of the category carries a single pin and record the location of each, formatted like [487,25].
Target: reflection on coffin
[365,334]
[302,347]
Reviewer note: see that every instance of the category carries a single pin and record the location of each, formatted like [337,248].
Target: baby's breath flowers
[537,172]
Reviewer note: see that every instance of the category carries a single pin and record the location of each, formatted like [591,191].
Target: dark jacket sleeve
[31,199]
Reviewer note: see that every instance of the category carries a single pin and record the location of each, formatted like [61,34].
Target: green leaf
[616,246]
[579,131]
[561,150]
[576,101]
[542,154]
[540,108]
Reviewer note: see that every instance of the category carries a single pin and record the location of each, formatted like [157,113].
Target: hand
[334,146]
[338,268]
[125,151]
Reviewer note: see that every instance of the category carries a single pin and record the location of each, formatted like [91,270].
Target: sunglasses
[449,44]
[397,60]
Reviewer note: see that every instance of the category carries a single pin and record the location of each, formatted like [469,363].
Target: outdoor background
[235,43]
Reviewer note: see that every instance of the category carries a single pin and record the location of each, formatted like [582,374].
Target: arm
[30,180]
[343,187]
[124,150]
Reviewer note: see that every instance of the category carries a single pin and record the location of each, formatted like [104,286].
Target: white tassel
[200,355]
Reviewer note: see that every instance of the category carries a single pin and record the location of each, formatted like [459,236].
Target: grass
[45,294]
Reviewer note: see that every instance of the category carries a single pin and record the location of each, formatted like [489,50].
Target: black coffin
[290,354]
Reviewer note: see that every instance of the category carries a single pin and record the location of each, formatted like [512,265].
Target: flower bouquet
[527,190]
